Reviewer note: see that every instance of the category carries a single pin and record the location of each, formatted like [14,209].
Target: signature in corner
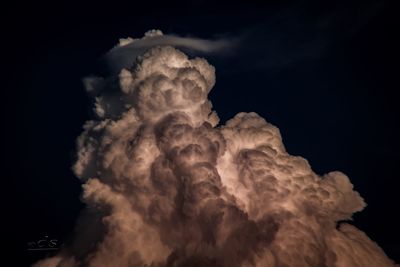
[44,243]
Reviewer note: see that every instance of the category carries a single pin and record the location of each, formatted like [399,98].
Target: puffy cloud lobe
[164,186]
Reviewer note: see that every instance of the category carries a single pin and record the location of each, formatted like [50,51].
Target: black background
[325,74]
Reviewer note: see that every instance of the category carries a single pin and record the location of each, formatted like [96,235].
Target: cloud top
[123,54]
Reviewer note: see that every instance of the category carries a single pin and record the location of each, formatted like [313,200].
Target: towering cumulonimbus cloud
[165,186]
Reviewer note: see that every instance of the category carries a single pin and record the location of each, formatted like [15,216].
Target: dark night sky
[324,74]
